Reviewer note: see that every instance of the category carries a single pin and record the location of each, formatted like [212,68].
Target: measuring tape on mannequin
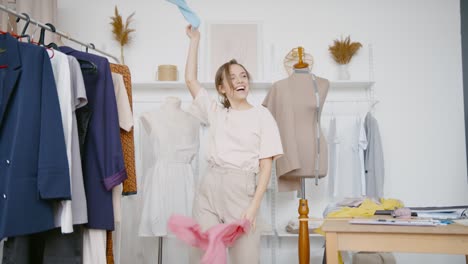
[317,130]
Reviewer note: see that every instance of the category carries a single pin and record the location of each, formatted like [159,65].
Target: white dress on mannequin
[169,143]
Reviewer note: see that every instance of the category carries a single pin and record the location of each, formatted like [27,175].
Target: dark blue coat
[103,163]
[33,160]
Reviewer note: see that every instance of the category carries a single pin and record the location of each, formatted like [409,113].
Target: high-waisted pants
[223,195]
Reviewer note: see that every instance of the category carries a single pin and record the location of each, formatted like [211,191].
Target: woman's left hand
[251,215]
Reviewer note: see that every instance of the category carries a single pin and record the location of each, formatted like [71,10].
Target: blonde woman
[243,142]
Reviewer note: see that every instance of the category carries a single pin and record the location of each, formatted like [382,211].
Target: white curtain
[6,25]
[44,11]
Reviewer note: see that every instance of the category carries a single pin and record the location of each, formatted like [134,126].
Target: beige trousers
[223,195]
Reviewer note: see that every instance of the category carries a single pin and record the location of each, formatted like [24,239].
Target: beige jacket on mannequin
[292,103]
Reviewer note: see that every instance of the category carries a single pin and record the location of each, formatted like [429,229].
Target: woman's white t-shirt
[238,139]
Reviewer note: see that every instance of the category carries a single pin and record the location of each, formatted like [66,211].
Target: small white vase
[343,72]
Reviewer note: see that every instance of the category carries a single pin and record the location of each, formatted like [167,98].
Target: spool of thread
[167,73]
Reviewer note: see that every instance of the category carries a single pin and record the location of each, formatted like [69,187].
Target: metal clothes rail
[35,22]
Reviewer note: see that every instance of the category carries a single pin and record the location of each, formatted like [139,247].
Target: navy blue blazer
[103,163]
[33,161]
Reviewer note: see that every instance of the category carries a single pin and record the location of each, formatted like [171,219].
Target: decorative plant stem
[122,32]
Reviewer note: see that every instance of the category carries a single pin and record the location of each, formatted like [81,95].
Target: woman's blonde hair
[224,72]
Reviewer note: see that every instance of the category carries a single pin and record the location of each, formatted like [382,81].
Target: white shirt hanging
[61,69]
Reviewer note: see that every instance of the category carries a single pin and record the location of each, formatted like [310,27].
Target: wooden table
[340,235]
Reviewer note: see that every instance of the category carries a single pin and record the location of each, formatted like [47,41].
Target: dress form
[315,148]
[169,144]
[303,209]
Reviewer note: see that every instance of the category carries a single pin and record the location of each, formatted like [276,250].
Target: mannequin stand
[160,249]
[303,241]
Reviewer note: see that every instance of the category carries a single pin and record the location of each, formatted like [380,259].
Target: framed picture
[233,40]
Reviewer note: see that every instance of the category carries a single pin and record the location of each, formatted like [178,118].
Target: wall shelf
[360,84]
[181,85]
[268,233]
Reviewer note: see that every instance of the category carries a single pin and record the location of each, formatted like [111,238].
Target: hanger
[23,32]
[42,36]
[28,20]
[92,46]
[59,41]
[300,64]
[87,66]
[34,33]
[52,45]
[372,106]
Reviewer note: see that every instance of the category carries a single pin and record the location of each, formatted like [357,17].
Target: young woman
[243,141]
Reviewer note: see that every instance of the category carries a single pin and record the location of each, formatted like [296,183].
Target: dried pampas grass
[343,50]
[122,32]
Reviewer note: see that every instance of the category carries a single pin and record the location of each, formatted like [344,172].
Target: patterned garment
[109,249]
[128,145]
[128,148]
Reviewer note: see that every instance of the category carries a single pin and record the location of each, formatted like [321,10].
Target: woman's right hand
[191,75]
[192,33]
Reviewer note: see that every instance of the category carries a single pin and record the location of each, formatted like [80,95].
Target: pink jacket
[214,241]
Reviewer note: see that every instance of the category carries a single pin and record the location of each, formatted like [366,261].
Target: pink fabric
[213,241]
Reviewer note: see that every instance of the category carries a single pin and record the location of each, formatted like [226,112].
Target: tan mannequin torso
[292,101]
[304,107]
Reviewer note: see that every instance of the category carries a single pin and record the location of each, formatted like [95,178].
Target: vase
[343,72]
[122,59]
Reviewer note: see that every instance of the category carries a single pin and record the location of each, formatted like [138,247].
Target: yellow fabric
[366,209]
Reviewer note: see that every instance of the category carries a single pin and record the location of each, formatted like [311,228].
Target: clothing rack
[35,22]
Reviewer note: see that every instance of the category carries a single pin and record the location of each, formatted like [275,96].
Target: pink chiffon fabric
[213,241]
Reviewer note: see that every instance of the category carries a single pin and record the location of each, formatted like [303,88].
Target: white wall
[417,64]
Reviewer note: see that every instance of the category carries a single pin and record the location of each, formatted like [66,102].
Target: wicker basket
[167,73]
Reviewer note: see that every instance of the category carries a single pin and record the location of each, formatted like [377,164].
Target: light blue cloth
[189,15]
